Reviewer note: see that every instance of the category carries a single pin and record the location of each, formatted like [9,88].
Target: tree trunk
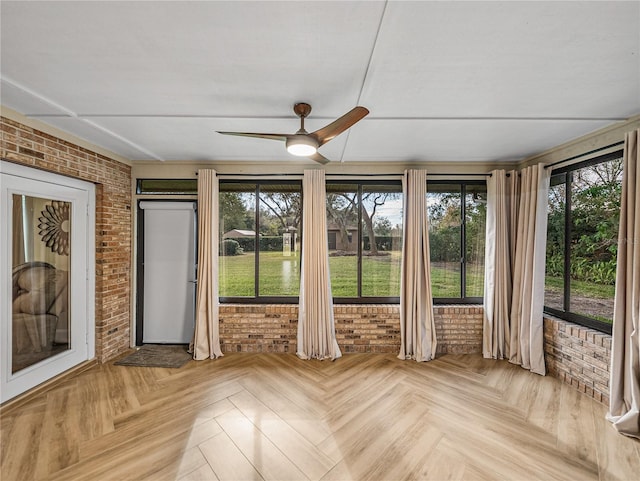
[368,223]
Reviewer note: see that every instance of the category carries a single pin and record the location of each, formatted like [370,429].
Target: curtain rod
[584,154]
[488,174]
[351,175]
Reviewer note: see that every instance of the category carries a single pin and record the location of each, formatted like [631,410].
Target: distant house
[342,239]
[238,233]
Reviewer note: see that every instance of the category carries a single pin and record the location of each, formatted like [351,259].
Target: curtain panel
[206,340]
[624,398]
[498,265]
[526,328]
[316,326]
[417,326]
[516,232]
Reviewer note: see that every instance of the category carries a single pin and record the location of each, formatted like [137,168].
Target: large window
[260,241]
[364,231]
[582,241]
[457,213]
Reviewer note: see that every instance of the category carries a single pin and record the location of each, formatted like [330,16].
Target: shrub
[384,243]
[248,244]
[230,247]
[271,243]
[555,265]
[267,243]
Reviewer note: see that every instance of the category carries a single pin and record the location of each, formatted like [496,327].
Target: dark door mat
[157,355]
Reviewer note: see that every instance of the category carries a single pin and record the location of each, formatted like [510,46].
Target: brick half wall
[359,328]
[579,356]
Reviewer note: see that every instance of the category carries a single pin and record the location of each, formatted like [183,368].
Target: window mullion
[463,242]
[567,242]
[360,241]
[256,248]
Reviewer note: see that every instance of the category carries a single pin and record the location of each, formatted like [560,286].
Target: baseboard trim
[22,399]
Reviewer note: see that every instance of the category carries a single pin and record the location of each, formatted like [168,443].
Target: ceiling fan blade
[282,137]
[318,157]
[335,128]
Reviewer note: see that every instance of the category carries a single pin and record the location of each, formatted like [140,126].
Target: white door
[169,272]
[47,258]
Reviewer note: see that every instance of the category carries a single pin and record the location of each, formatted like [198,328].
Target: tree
[236,212]
[342,209]
[283,207]
[444,226]
[382,227]
[595,210]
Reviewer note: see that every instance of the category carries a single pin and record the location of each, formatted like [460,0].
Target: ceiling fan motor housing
[302,144]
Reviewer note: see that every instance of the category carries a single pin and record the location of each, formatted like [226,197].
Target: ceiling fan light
[302,146]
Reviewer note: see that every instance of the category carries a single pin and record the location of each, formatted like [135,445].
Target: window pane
[280,221]
[595,211]
[237,240]
[168,186]
[41,253]
[443,204]
[342,233]
[475,213]
[554,274]
[382,240]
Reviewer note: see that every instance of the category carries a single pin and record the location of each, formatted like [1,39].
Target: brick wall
[459,329]
[24,145]
[359,328]
[578,356]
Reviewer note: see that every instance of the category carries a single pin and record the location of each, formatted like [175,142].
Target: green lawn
[280,276]
[582,288]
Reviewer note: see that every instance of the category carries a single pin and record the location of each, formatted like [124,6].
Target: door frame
[51,367]
[139,302]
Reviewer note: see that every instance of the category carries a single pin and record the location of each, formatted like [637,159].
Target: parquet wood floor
[275,417]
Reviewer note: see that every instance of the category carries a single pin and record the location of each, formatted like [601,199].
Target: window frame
[463,299]
[360,299]
[566,314]
[257,298]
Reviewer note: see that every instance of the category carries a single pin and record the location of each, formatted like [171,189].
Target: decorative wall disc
[54,227]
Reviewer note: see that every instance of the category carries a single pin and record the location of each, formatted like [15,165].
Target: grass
[582,288]
[587,298]
[280,276]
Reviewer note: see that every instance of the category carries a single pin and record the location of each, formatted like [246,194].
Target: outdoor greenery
[381,276]
[445,238]
[230,247]
[381,238]
[593,225]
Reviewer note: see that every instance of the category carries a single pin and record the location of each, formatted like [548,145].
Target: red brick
[113,181]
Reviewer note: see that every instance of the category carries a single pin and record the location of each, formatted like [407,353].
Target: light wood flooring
[275,417]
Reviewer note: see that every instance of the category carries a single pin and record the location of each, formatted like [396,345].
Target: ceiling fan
[306,144]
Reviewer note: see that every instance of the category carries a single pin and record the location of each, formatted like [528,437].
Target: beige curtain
[417,327]
[497,274]
[526,329]
[624,398]
[206,340]
[316,328]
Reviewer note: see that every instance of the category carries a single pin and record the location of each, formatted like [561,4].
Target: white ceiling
[444,81]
